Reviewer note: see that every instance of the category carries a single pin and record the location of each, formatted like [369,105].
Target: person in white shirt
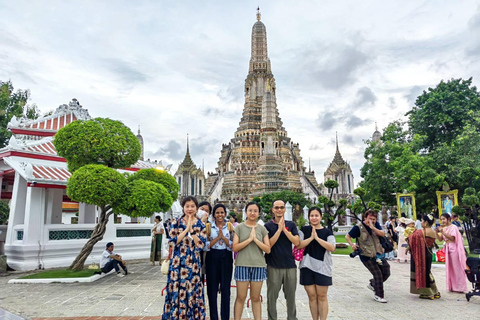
[418,223]
[110,260]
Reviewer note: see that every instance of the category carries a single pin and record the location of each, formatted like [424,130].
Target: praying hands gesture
[222,236]
[252,236]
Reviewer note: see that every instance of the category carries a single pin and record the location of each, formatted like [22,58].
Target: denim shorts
[254,274]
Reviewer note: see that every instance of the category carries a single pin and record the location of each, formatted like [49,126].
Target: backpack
[229,226]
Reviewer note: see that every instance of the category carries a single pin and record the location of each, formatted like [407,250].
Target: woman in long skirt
[455,257]
[157,235]
[184,299]
[421,244]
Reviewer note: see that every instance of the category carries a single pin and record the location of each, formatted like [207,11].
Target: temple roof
[37,161]
[338,163]
[49,125]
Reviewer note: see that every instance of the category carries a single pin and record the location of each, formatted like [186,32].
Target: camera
[356,253]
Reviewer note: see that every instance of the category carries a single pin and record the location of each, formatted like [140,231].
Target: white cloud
[179,67]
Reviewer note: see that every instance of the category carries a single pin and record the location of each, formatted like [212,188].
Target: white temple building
[33,179]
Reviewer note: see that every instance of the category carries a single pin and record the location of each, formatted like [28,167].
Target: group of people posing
[253,253]
[263,252]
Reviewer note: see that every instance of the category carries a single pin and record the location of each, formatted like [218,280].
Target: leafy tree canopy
[97,141]
[4,212]
[440,146]
[158,176]
[13,104]
[441,114]
[143,197]
[97,184]
[294,198]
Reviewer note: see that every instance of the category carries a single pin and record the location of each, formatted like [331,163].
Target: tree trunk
[97,235]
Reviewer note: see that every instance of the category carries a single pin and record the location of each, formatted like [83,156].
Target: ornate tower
[376,136]
[140,139]
[261,158]
[340,171]
[190,178]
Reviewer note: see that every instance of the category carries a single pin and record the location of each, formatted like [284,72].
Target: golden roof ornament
[259,15]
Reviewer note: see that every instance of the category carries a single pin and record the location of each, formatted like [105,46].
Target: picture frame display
[406,204]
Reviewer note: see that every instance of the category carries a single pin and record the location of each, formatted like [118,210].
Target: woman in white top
[156,248]
[402,255]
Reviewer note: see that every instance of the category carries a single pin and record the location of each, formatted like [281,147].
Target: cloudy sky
[178,67]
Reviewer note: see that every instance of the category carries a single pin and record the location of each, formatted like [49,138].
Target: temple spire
[336,140]
[338,159]
[259,15]
[187,161]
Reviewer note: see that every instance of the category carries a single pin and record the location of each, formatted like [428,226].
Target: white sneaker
[369,286]
[120,275]
[381,300]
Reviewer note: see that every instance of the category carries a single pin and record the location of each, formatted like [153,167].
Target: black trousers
[114,264]
[219,273]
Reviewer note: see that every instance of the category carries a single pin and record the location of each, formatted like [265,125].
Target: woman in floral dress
[184,299]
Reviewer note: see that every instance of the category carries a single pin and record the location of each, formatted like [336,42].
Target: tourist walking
[250,241]
[371,254]
[219,262]
[422,243]
[316,267]
[392,236]
[281,267]
[156,247]
[402,254]
[455,257]
[184,299]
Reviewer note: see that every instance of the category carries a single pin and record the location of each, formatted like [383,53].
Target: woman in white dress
[402,255]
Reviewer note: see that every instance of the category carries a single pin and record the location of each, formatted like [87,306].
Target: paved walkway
[138,296]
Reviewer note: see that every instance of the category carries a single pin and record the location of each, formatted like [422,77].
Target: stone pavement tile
[132,296]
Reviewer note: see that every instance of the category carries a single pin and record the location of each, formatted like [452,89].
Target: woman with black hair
[455,257]
[250,241]
[204,210]
[316,267]
[421,244]
[184,299]
[156,247]
[219,262]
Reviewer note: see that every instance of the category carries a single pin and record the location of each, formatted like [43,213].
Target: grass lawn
[62,273]
[343,251]
[340,239]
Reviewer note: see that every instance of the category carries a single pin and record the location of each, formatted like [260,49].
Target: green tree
[11,104]
[4,212]
[97,141]
[442,113]
[440,146]
[161,177]
[294,198]
[469,214]
[329,214]
[93,149]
